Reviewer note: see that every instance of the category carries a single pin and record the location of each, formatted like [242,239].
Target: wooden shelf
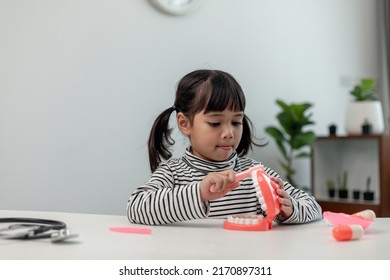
[349,208]
[360,156]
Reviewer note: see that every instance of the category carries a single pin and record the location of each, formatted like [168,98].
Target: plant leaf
[279,139]
[290,136]
[303,139]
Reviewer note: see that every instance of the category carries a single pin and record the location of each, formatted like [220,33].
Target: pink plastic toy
[342,219]
[266,193]
[138,230]
[347,232]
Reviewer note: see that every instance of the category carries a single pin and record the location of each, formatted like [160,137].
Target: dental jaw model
[268,199]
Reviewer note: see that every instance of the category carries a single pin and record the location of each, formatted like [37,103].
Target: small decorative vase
[366,129]
[356,195]
[368,195]
[343,194]
[359,112]
[332,130]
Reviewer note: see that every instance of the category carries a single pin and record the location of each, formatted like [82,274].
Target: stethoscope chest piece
[62,235]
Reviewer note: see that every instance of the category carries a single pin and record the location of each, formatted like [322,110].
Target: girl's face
[213,136]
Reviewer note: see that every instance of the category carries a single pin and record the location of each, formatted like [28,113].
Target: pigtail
[160,139]
[248,138]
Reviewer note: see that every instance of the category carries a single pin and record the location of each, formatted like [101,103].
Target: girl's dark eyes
[216,124]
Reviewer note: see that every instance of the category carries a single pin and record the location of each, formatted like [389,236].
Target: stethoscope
[32,228]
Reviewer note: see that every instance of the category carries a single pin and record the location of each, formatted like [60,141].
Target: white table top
[197,240]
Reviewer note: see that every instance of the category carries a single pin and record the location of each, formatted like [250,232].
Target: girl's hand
[284,198]
[217,184]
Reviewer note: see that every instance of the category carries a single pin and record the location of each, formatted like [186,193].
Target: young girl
[209,108]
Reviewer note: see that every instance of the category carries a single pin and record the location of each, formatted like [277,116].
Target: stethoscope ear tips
[62,235]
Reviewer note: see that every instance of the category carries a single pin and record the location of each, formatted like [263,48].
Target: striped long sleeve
[172,194]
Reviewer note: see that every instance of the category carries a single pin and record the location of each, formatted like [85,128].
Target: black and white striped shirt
[172,194]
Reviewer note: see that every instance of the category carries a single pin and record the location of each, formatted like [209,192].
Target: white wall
[82,80]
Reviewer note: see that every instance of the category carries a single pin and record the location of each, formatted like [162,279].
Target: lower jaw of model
[245,219]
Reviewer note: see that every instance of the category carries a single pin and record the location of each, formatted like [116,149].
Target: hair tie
[173,108]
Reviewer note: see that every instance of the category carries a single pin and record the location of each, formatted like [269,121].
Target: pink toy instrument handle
[247,173]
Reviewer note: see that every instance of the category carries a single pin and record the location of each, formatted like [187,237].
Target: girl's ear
[183,123]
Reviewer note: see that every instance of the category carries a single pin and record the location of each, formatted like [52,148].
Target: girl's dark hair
[200,90]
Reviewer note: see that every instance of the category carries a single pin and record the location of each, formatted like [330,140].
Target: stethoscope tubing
[50,224]
[31,228]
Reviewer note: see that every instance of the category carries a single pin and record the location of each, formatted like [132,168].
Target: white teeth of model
[245,219]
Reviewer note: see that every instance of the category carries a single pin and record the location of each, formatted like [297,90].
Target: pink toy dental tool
[245,174]
[137,230]
[268,199]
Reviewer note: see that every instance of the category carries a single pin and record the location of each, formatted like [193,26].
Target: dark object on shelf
[331,187]
[366,128]
[343,193]
[356,195]
[342,183]
[368,195]
[332,130]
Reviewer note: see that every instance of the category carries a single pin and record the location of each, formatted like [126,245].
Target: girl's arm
[161,201]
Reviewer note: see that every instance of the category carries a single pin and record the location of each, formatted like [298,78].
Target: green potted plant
[291,138]
[342,183]
[365,90]
[364,108]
